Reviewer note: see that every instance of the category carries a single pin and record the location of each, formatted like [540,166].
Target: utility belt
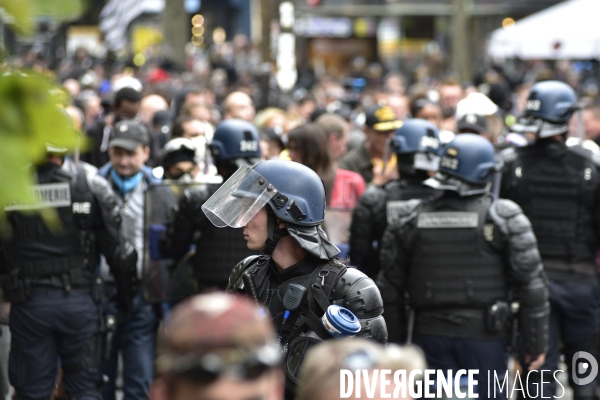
[493,322]
[19,283]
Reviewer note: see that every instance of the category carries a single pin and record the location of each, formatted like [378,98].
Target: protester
[218,347]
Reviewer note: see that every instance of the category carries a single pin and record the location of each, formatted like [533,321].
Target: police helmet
[470,158]
[417,145]
[551,101]
[235,139]
[301,194]
[548,109]
[416,135]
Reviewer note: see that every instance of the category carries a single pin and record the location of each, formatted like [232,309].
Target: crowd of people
[460,219]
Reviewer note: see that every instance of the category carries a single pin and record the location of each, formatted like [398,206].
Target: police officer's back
[416,145]
[280,205]
[460,258]
[558,188]
[235,143]
[50,279]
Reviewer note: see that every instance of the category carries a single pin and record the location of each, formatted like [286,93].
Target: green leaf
[30,117]
[22,12]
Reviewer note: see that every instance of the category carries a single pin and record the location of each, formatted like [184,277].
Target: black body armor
[557,187]
[370,218]
[218,250]
[65,256]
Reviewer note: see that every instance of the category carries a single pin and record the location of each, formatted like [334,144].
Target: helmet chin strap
[273,231]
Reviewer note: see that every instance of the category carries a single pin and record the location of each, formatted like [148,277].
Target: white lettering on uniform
[82,208]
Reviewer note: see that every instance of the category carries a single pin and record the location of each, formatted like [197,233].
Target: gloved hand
[126,282]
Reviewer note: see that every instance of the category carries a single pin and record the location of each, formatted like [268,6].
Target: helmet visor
[239,199]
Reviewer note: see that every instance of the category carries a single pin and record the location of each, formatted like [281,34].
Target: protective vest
[456,262]
[43,257]
[404,189]
[556,191]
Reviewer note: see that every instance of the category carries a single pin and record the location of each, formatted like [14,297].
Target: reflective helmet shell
[469,157]
[551,101]
[301,198]
[416,135]
[235,138]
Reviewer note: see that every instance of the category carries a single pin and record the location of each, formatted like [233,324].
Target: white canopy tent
[568,30]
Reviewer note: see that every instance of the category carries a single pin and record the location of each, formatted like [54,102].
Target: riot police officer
[459,258]
[416,145]
[557,187]
[50,279]
[280,205]
[235,143]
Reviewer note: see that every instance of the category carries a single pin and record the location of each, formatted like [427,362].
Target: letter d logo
[584,366]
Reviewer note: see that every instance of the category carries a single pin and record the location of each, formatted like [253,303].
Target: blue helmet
[470,158]
[416,135]
[294,194]
[551,101]
[548,109]
[301,193]
[235,139]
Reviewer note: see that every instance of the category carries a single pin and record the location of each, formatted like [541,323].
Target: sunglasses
[210,367]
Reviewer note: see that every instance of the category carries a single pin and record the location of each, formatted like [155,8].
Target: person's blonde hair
[320,371]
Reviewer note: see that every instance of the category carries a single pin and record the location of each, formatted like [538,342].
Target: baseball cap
[472,123]
[382,118]
[128,134]
[218,327]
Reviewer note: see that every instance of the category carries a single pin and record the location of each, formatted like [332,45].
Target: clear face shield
[239,199]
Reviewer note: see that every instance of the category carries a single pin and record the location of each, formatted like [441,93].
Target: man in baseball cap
[128,135]
[380,124]
[219,347]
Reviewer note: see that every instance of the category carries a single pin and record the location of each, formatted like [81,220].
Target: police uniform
[558,188]
[298,295]
[415,144]
[461,260]
[50,280]
[217,249]
[370,216]
[235,143]
[327,283]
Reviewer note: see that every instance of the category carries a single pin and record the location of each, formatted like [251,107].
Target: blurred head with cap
[219,347]
[128,147]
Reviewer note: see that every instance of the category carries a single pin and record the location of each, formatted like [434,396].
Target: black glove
[126,282]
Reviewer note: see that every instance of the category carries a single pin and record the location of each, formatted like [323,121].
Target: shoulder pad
[579,150]
[238,270]
[506,208]
[588,154]
[359,293]
[350,277]
[397,210]
[508,155]
[372,195]
[596,159]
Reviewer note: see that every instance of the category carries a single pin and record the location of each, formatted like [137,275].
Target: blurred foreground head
[320,373]
[220,348]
